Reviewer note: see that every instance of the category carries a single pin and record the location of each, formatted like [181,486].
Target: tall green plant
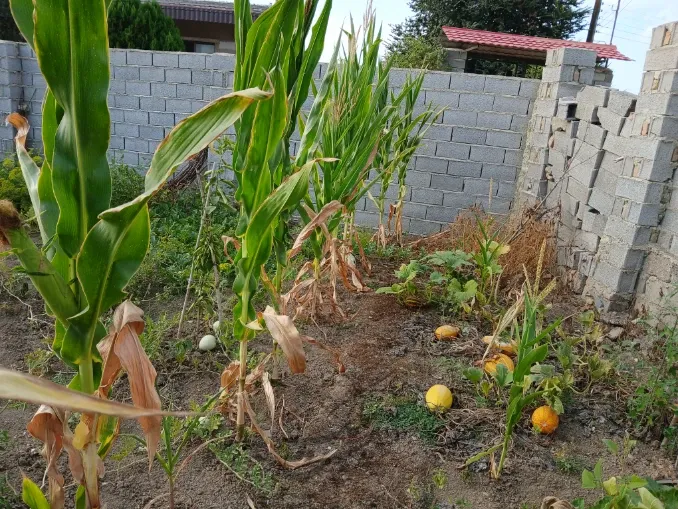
[269,54]
[90,251]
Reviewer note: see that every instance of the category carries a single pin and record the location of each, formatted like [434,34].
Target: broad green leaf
[32,496]
[32,389]
[475,375]
[649,501]
[634,482]
[588,480]
[610,486]
[611,445]
[71,44]
[22,11]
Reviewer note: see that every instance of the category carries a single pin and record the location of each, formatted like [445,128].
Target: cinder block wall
[604,161]
[471,154]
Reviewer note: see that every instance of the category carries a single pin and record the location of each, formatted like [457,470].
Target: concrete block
[621,103]
[139,57]
[161,119]
[447,183]
[658,125]
[502,85]
[558,73]
[465,82]
[506,189]
[610,121]
[640,190]
[513,157]
[504,139]
[179,105]
[511,104]
[535,171]
[464,168]
[585,75]
[498,172]
[431,164]
[138,88]
[125,72]
[659,82]
[616,144]
[469,135]
[654,171]
[659,104]
[617,280]
[426,148]
[606,181]
[178,75]
[152,74]
[189,91]
[430,196]
[151,132]
[661,58]
[585,153]
[593,96]
[670,221]
[566,108]
[453,150]
[664,35]
[563,143]
[439,132]
[126,101]
[528,87]
[620,255]
[643,214]
[594,222]
[557,90]
[601,201]
[367,219]
[117,142]
[584,171]
[136,117]
[117,116]
[519,123]
[592,134]
[220,61]
[571,56]
[420,227]
[207,78]
[418,179]
[442,98]
[477,102]
[481,187]
[457,200]
[165,59]
[545,107]
[152,103]
[493,120]
[493,205]
[487,154]
[192,60]
[136,145]
[626,232]
[414,210]
[587,241]
[198,105]
[163,90]
[587,112]
[460,117]
[558,162]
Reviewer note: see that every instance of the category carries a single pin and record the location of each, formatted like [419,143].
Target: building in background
[206,27]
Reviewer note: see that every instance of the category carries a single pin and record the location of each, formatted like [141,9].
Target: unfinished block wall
[605,161]
[472,153]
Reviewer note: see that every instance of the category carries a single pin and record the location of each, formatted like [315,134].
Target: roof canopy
[521,47]
[198,10]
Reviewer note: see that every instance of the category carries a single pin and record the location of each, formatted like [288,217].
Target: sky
[632,35]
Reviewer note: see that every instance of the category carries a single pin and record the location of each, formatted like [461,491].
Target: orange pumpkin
[490,365]
[545,420]
[507,348]
[447,332]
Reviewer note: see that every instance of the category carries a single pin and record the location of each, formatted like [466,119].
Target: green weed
[9,498]
[236,459]
[401,413]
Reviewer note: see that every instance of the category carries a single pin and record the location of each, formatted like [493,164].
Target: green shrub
[126,182]
[12,185]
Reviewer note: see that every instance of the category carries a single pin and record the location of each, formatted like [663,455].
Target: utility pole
[614,25]
[594,20]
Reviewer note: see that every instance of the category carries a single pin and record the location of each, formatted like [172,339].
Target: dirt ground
[388,350]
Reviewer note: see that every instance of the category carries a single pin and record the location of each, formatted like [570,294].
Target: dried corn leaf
[47,426]
[121,349]
[285,333]
[316,220]
[270,396]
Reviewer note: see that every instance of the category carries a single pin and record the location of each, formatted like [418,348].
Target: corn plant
[269,54]
[402,139]
[90,251]
[532,349]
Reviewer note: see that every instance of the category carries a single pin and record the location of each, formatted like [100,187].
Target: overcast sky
[632,35]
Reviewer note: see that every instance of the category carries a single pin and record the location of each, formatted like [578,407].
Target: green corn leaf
[22,11]
[243,15]
[49,208]
[32,496]
[588,480]
[71,44]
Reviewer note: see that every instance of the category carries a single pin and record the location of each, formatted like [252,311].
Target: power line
[627,39]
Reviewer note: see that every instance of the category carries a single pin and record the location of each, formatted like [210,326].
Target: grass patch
[402,413]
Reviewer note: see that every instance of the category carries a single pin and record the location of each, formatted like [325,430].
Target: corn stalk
[90,251]
[269,54]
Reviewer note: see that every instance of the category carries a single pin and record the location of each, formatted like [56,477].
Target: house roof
[523,45]
[199,10]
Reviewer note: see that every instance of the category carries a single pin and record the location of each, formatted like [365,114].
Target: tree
[8,29]
[142,25]
[559,19]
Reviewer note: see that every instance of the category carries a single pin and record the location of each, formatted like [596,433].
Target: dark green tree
[558,19]
[8,29]
[142,25]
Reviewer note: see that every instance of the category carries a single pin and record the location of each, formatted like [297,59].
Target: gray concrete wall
[604,161]
[470,157]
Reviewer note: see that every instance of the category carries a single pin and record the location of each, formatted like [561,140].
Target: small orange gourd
[545,420]
[490,365]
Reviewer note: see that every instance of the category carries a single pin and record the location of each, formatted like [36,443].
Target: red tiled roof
[525,42]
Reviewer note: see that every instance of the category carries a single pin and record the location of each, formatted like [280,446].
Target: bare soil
[387,350]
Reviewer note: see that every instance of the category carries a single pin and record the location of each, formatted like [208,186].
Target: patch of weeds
[38,360]
[9,497]
[4,439]
[439,478]
[402,413]
[12,184]
[127,182]
[462,503]
[236,459]
[571,465]
[125,445]
[155,332]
